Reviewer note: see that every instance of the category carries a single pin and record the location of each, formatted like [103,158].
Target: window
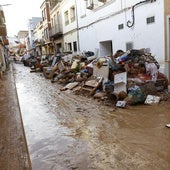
[44,14]
[129,46]
[120,26]
[75,46]
[69,47]
[72,14]
[59,47]
[53,3]
[66,18]
[46,36]
[150,20]
[52,22]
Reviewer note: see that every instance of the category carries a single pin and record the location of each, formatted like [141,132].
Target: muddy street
[65,131]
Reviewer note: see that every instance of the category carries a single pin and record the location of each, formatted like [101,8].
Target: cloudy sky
[18,13]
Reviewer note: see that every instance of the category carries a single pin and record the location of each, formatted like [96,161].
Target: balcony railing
[56,31]
[53,3]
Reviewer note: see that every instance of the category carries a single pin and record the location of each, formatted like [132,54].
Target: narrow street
[65,131]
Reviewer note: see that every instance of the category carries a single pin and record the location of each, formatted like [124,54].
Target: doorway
[58,48]
[106,48]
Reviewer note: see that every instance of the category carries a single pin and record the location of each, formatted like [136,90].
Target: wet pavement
[13,147]
[65,131]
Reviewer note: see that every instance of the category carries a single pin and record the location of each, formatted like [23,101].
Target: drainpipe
[131,23]
[78,41]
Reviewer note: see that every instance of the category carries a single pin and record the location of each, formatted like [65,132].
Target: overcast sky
[18,13]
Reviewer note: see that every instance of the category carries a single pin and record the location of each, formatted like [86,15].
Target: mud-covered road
[65,131]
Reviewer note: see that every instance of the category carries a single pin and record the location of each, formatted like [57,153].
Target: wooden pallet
[92,84]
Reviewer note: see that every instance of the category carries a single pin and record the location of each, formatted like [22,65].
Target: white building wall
[70,37]
[70,30]
[101,24]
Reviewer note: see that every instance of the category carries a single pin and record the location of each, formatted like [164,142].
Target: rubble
[125,78]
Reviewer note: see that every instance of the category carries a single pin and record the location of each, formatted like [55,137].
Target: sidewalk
[13,147]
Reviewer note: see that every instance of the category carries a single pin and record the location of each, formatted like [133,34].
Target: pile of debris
[129,78]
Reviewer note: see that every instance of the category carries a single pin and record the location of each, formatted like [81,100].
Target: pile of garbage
[126,78]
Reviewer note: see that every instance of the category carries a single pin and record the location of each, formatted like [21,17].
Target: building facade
[38,39]
[32,23]
[47,47]
[167,36]
[69,21]
[104,26]
[108,25]
[3,42]
[56,32]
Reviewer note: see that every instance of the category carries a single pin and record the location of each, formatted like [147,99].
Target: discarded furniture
[92,84]
[56,65]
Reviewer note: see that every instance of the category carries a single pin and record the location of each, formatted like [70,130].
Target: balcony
[53,3]
[56,32]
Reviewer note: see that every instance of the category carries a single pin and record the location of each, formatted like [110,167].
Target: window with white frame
[72,14]
[46,36]
[68,46]
[66,17]
[44,15]
[82,8]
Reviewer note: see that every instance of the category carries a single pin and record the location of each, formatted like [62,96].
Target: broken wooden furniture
[92,84]
[56,65]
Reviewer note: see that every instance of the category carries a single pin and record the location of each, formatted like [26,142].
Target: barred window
[129,46]
[150,20]
[120,26]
